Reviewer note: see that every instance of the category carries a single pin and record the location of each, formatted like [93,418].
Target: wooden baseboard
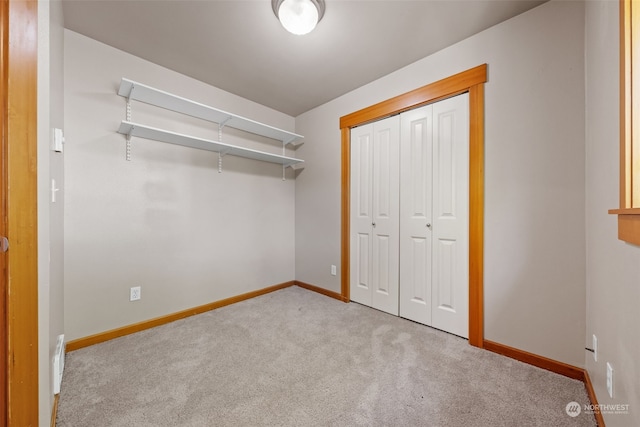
[321,291]
[550,365]
[147,324]
[594,400]
[535,360]
[54,410]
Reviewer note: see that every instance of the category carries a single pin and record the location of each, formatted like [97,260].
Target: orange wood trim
[471,81]
[444,88]
[632,152]
[628,211]
[152,323]
[54,411]
[628,224]
[322,291]
[476,214]
[592,397]
[535,360]
[625,102]
[629,228]
[22,217]
[4,279]
[346,213]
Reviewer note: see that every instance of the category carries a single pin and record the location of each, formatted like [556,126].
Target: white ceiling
[240,46]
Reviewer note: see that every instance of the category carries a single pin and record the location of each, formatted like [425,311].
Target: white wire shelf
[149,95]
[148,132]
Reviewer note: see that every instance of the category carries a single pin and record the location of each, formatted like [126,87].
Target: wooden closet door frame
[18,91]
[4,30]
[471,81]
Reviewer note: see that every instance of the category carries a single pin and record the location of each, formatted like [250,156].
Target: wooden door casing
[471,81]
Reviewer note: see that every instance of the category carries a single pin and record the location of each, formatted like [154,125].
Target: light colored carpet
[297,358]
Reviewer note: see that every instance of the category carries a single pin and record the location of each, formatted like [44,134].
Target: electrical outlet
[334,270]
[595,347]
[610,380]
[135,293]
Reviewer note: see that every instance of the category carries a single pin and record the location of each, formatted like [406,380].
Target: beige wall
[613,270]
[167,220]
[534,215]
[50,215]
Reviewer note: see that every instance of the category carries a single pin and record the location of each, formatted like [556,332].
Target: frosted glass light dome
[299,16]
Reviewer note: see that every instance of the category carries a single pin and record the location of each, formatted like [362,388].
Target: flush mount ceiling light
[298,16]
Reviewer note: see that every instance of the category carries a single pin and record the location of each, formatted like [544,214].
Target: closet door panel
[450,296]
[446,273]
[415,214]
[361,217]
[381,265]
[385,211]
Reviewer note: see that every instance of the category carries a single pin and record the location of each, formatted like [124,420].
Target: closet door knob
[373,223]
[428,225]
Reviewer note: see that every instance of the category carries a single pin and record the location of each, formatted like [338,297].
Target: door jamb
[4,279]
[19,137]
[471,81]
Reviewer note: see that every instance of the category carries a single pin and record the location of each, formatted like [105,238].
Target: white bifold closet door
[374,264]
[434,215]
